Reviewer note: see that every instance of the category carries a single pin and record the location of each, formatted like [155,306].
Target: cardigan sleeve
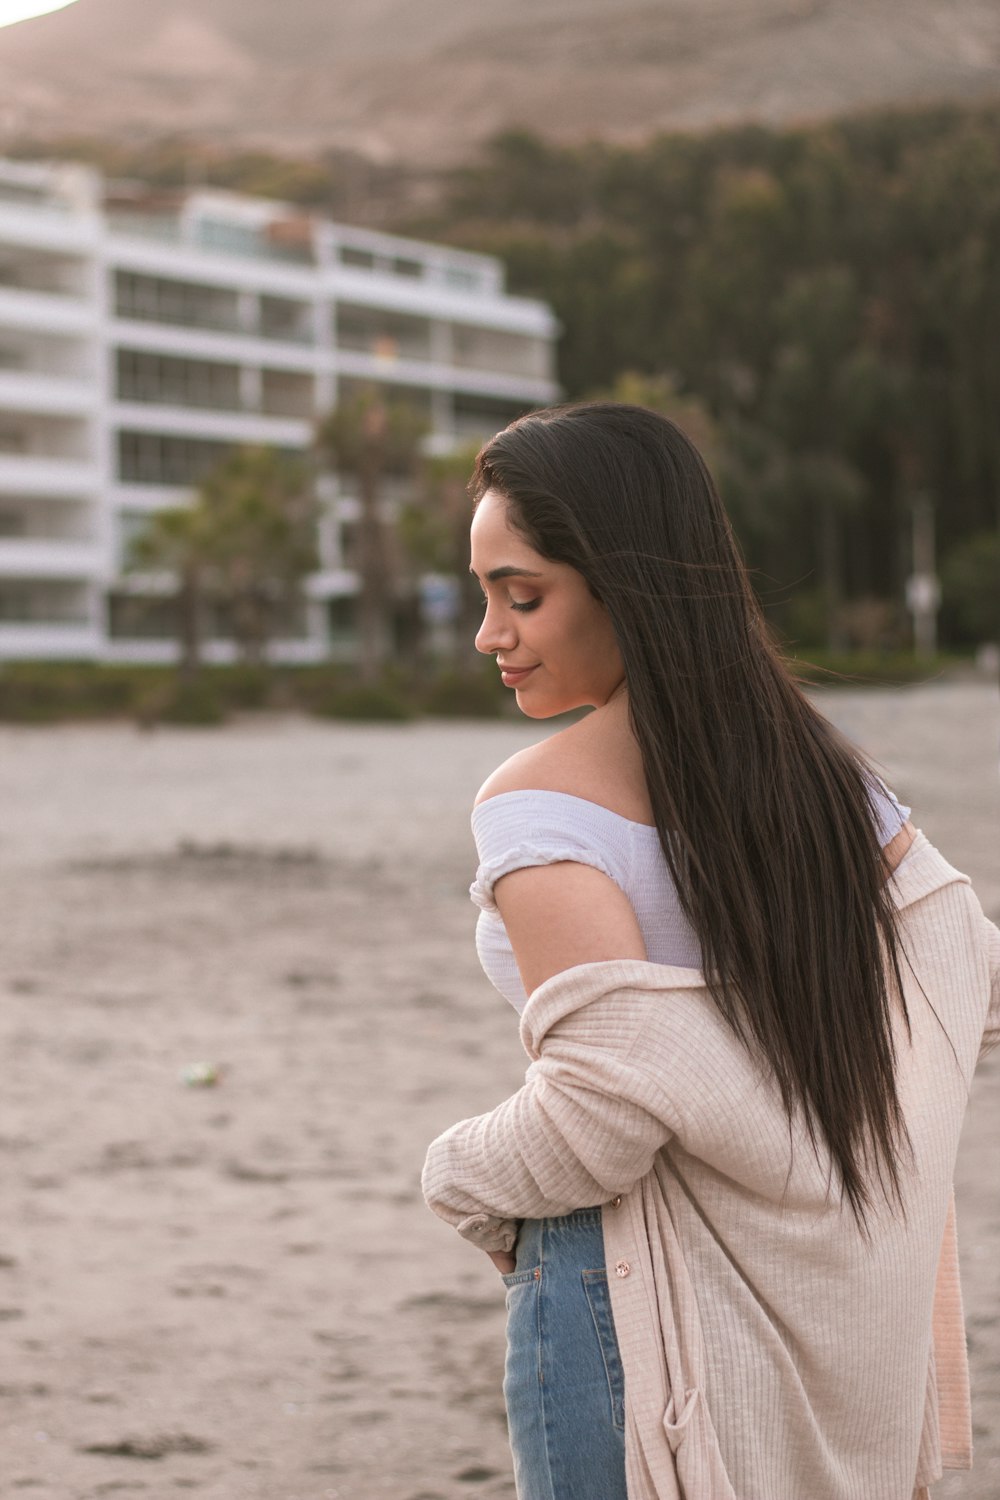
[586,1124]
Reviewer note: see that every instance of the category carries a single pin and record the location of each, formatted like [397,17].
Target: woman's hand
[503,1260]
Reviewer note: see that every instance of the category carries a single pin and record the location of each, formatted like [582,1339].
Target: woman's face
[554,642]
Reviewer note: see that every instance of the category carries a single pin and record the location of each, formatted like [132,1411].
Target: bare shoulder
[541,767]
[596,759]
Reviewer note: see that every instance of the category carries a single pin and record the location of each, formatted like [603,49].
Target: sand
[234,1290]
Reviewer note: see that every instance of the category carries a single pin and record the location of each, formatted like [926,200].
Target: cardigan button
[616,1201]
[622,1268]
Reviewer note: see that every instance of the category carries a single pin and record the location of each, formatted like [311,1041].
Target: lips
[514,676]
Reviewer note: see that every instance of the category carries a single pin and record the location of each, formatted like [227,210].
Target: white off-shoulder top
[517,829]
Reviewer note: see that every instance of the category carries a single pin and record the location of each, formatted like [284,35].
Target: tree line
[822,303]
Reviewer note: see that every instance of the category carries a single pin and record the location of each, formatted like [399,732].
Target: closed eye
[523,608]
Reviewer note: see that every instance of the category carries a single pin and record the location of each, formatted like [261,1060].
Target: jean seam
[602,1340]
[541,1377]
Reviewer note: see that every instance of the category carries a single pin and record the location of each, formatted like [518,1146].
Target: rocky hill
[422,81]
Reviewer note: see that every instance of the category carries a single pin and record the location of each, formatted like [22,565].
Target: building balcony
[49,557]
[38,474]
[149,498]
[395,370]
[52,229]
[58,640]
[434,298]
[46,312]
[226,427]
[249,347]
[53,395]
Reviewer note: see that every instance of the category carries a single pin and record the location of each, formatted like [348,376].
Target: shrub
[47,692]
[970,580]
[456,695]
[861,668]
[377,704]
[196,703]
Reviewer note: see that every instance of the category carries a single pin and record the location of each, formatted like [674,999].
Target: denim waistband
[581,1216]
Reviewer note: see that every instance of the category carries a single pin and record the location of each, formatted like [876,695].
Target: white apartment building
[142,336]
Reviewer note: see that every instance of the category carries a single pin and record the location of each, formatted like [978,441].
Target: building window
[159,458]
[40,601]
[158,299]
[142,617]
[285,319]
[168,381]
[386,335]
[503,353]
[361,260]
[13,522]
[342,617]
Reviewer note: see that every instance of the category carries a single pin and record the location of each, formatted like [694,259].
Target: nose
[496,633]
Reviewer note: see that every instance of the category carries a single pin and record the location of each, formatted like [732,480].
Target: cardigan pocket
[595,1285]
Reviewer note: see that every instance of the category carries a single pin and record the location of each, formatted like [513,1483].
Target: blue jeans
[563,1381]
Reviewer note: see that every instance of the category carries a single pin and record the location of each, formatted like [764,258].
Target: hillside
[421,82]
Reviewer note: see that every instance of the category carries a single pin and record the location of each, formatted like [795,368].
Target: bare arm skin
[561,915]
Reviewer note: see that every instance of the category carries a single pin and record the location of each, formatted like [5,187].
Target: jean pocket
[595,1285]
[516,1278]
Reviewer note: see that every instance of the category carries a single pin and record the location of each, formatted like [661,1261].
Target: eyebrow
[495,574]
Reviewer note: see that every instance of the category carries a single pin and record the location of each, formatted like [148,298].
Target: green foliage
[50,692]
[368,702]
[249,686]
[370,431]
[869,668]
[193,702]
[261,516]
[828,295]
[970,582]
[373,436]
[465,695]
[246,545]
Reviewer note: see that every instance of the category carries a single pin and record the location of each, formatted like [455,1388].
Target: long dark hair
[764,810]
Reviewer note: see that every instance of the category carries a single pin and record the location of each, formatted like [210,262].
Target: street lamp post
[923,592]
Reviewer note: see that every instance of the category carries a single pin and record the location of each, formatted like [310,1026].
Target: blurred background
[267,280]
[777,221]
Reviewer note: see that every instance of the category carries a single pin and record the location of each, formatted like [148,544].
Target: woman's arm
[561,915]
[558,916]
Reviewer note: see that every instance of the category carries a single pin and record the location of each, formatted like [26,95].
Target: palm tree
[373,437]
[435,532]
[262,517]
[245,543]
[177,541]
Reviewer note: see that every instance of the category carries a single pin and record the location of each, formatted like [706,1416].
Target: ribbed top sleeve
[516,830]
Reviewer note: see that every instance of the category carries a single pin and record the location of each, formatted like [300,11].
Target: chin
[547,708]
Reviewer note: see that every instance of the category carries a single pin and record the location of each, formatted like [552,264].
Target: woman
[721,1201]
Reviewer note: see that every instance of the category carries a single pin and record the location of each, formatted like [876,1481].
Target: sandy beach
[232,1289]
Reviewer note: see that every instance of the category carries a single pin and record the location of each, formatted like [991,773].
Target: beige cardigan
[769,1352]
